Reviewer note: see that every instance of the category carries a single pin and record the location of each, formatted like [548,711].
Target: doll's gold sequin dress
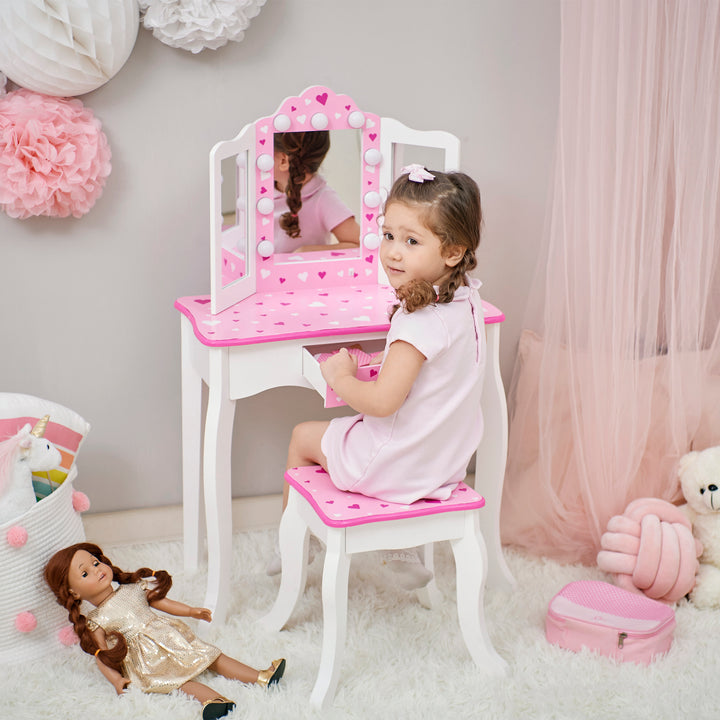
[163,653]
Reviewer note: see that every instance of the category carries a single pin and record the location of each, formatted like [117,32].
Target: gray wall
[88,316]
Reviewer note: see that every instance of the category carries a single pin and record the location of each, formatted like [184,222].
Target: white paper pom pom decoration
[66,47]
[198,24]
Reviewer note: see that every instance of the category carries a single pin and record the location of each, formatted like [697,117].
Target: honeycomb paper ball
[66,47]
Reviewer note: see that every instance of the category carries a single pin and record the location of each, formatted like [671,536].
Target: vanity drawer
[311,367]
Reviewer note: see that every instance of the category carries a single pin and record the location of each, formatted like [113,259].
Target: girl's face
[88,578]
[410,251]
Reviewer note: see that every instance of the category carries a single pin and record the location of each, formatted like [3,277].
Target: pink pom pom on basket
[17,536]
[25,622]
[80,501]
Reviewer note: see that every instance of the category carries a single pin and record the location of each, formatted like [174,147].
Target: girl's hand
[201,614]
[340,364]
[120,683]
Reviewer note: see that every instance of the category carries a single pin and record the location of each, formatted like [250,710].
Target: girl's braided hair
[305,151]
[56,576]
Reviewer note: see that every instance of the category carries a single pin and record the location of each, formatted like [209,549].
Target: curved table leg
[490,462]
[294,543]
[217,481]
[191,400]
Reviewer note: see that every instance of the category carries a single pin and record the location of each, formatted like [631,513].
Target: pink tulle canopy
[618,369]
[54,156]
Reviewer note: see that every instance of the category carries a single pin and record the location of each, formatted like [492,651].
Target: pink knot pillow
[650,549]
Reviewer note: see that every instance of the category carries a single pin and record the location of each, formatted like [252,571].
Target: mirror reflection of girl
[420,421]
[130,642]
[307,209]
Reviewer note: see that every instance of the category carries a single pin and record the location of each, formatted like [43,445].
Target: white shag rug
[401,660]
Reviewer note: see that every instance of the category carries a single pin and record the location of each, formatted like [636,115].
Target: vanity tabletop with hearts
[299,313]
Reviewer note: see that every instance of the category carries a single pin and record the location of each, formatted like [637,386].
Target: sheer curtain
[618,369]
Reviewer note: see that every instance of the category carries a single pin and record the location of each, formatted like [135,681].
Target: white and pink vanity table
[269,314]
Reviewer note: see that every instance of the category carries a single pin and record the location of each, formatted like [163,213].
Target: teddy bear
[699,475]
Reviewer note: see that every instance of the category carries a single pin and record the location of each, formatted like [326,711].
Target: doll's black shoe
[272,674]
[217,707]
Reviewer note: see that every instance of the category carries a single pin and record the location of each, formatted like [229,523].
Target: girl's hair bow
[417,173]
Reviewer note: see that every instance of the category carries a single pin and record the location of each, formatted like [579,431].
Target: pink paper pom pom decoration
[25,622]
[80,501]
[54,156]
[67,636]
[650,549]
[17,536]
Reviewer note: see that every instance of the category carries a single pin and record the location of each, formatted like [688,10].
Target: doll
[130,642]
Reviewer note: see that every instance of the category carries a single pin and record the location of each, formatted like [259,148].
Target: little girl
[307,209]
[130,642]
[420,421]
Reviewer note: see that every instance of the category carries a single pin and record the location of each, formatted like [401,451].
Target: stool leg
[430,595]
[471,568]
[334,595]
[294,538]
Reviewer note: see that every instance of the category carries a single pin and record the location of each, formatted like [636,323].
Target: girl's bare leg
[304,448]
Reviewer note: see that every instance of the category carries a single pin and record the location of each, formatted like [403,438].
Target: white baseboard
[165,523]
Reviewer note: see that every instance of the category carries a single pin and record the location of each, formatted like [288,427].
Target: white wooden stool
[350,523]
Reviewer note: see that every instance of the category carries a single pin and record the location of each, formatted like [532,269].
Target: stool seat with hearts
[350,523]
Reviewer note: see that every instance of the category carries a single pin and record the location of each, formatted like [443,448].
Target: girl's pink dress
[423,449]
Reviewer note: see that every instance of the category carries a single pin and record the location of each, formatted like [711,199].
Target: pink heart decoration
[347,107]
[263,190]
[384,505]
[202,301]
[369,258]
[372,136]
[280,323]
[282,280]
[293,108]
[322,99]
[330,502]
[354,506]
[322,274]
[262,142]
[369,216]
[373,373]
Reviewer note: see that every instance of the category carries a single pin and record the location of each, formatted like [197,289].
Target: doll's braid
[305,151]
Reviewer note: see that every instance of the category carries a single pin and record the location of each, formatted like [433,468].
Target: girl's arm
[381,397]
[118,681]
[347,234]
[173,607]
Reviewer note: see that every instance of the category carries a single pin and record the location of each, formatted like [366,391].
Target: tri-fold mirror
[247,196]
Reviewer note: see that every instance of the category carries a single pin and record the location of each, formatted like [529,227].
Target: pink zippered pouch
[609,620]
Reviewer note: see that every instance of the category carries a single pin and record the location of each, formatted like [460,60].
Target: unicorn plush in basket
[21,455]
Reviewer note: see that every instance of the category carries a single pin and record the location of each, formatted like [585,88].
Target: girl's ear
[453,255]
[283,161]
